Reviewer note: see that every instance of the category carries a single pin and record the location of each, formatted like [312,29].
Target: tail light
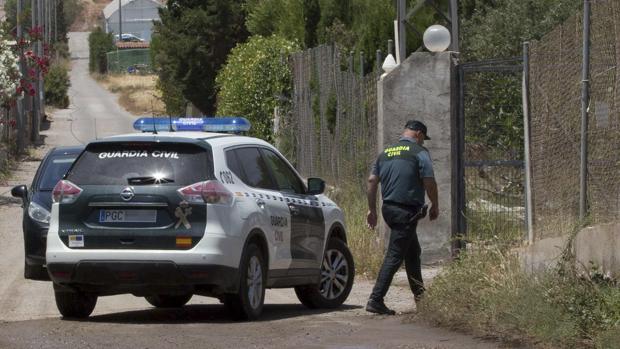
[210,192]
[66,192]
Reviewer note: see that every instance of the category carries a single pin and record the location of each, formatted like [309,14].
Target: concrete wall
[599,244]
[420,88]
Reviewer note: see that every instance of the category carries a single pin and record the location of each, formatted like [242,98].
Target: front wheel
[248,303]
[337,274]
[168,301]
[74,304]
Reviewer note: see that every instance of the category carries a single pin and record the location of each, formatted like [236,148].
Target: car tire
[337,274]
[35,272]
[168,301]
[77,305]
[248,303]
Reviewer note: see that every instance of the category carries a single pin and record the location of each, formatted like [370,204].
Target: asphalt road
[28,314]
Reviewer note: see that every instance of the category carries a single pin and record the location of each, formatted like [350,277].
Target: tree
[254,80]
[66,13]
[194,38]
[497,29]
[99,44]
[9,74]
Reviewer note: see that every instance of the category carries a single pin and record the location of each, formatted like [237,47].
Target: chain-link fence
[491,114]
[129,61]
[334,116]
[555,94]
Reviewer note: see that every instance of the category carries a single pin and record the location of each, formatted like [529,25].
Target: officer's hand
[371,219]
[433,213]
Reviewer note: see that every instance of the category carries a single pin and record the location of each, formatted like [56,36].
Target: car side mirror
[20,191]
[316,186]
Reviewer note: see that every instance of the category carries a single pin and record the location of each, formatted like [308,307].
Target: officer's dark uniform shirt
[400,168]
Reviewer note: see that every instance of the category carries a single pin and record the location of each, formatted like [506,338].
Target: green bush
[99,44]
[487,291]
[56,86]
[253,81]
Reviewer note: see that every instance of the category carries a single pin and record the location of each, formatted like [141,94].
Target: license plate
[127,216]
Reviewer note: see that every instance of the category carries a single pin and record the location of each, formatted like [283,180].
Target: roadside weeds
[486,291]
[136,93]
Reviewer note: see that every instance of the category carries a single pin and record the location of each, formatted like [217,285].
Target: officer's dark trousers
[403,245]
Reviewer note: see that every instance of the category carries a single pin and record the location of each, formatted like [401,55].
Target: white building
[137,17]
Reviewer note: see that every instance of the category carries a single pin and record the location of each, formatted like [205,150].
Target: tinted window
[142,164]
[256,172]
[54,170]
[286,179]
[233,165]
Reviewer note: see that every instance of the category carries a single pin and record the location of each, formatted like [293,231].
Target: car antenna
[153,114]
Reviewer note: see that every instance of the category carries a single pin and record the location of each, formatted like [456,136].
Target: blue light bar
[221,125]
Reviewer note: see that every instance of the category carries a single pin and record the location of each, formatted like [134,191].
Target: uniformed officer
[405,172]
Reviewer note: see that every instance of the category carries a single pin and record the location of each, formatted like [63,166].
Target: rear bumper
[106,277]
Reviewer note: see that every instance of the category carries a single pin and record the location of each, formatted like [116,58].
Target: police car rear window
[142,164]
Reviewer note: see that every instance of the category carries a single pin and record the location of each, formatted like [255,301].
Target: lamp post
[436,38]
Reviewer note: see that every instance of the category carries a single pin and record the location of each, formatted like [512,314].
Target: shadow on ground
[207,313]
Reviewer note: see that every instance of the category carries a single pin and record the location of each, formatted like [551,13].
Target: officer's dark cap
[417,126]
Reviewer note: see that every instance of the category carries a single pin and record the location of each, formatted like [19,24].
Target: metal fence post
[379,62]
[529,219]
[351,62]
[362,67]
[585,100]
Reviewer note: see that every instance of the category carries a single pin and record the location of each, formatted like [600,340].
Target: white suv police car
[170,215]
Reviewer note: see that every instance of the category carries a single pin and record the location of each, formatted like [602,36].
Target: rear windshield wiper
[149,180]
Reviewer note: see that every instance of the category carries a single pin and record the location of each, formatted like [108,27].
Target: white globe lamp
[436,38]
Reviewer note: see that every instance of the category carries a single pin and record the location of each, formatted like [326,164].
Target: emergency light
[219,125]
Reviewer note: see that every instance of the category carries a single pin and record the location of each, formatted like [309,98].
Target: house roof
[112,7]
[129,45]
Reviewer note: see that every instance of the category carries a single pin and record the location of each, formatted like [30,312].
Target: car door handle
[260,203]
[294,209]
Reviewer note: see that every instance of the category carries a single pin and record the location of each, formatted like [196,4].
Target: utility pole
[55,21]
[34,15]
[41,90]
[120,20]
[21,102]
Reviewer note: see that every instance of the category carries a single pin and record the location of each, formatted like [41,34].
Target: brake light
[65,192]
[210,192]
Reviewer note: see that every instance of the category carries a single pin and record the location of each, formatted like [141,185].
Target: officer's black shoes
[377,307]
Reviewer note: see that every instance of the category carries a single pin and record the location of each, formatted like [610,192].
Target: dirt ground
[29,318]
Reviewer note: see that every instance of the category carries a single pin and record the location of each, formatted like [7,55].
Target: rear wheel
[337,273]
[248,303]
[73,304]
[168,301]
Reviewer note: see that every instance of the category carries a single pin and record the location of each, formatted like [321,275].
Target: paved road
[28,314]
[94,112]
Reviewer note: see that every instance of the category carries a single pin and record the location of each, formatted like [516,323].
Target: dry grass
[136,93]
[487,292]
[365,245]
